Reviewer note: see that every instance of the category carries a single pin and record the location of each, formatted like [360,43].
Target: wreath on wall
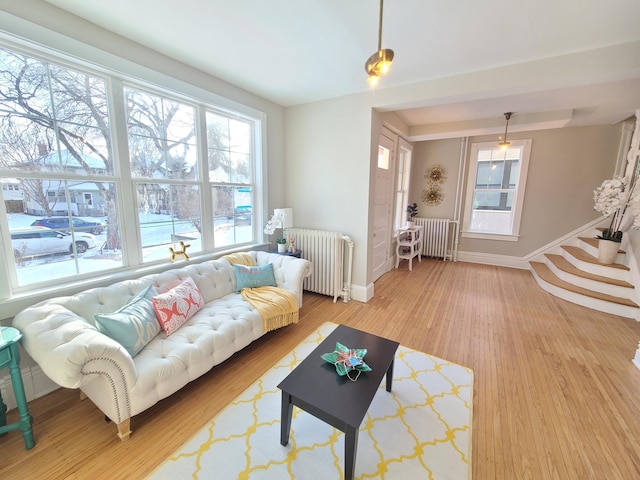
[432,195]
[435,175]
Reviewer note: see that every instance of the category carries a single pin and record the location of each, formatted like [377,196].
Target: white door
[382,206]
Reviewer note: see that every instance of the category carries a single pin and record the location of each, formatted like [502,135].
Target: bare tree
[162,145]
[45,105]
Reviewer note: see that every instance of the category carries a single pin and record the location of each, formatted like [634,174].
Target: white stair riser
[589,302]
[615,290]
[603,270]
[591,250]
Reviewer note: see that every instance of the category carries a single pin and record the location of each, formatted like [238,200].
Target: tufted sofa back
[214,279]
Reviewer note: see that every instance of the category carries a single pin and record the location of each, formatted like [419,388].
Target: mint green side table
[10,357]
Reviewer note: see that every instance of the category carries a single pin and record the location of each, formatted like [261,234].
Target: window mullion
[131,250]
[205,185]
[8,276]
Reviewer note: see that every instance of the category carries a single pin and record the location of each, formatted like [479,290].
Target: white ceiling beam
[519,122]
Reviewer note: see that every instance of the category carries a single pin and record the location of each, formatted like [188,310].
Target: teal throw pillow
[251,277]
[134,325]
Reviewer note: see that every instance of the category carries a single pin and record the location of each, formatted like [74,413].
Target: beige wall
[328,152]
[425,155]
[565,166]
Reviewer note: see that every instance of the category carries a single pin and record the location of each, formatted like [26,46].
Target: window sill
[503,237]
[22,299]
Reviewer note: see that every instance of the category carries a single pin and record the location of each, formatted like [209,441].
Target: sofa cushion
[252,277]
[178,305]
[134,325]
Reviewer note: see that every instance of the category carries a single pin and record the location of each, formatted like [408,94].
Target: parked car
[38,241]
[62,223]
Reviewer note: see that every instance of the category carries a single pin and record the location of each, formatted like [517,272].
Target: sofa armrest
[67,347]
[289,271]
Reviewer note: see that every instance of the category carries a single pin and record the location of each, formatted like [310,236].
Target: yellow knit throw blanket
[277,306]
[240,258]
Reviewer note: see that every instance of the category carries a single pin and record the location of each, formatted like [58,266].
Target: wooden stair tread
[544,272]
[594,243]
[566,266]
[580,254]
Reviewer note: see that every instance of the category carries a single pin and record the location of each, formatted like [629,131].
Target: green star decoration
[347,359]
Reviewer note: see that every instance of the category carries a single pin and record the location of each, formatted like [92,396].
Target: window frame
[518,198]
[132,264]
[403,181]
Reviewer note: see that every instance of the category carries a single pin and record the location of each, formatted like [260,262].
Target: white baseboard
[36,385]
[491,259]
[361,293]
[636,359]
[6,391]
[538,255]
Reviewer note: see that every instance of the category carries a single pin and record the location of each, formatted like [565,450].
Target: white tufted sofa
[61,337]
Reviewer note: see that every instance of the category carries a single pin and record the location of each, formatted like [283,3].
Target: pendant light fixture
[380,62]
[504,144]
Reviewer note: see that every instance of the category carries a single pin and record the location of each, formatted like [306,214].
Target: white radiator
[439,239]
[331,254]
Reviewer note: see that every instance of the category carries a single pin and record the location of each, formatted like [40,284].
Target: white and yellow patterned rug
[420,430]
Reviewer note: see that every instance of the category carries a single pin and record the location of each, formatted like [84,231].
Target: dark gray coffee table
[314,386]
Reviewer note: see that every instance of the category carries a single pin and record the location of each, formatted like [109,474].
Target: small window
[383,157]
[495,190]
[402,186]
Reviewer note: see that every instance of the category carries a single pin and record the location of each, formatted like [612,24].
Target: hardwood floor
[556,395]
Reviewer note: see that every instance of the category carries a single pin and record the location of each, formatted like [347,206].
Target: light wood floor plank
[556,395]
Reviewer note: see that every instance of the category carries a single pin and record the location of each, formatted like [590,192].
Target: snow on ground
[157,234]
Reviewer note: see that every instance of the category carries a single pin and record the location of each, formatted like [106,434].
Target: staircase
[574,274]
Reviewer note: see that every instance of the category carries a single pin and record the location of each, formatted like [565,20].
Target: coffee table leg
[285,418]
[389,375]
[350,448]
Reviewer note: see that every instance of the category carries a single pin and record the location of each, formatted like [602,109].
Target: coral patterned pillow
[178,305]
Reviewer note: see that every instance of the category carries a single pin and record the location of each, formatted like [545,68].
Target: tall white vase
[607,251]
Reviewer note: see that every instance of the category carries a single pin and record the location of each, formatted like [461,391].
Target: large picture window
[495,190]
[76,202]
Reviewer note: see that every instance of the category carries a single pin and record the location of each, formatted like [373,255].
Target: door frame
[385,138]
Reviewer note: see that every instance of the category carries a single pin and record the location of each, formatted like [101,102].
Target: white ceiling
[299,51]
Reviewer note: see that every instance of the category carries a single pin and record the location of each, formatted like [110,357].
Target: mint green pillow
[134,325]
[251,277]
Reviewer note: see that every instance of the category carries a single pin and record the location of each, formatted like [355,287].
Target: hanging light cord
[380,27]
[507,116]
